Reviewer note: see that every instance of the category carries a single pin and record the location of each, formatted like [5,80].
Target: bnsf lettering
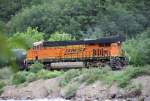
[73,51]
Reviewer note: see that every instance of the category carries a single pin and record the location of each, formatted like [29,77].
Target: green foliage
[138,49]
[57,36]
[83,17]
[134,88]
[36,67]
[19,77]
[70,90]
[11,7]
[1,91]
[88,76]
[91,75]
[5,52]
[2,84]
[123,78]
[52,17]
[31,77]
[25,39]
[36,72]
[45,74]
[118,19]
[68,76]
[5,73]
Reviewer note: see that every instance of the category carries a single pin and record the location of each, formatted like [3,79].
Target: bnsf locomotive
[92,53]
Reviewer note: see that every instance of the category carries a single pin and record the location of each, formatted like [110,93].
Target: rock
[144,81]
[147,98]
[34,90]
[52,85]
[96,91]
[113,91]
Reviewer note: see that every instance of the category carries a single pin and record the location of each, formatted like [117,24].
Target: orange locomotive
[97,52]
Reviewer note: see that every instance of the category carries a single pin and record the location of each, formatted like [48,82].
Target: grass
[19,77]
[89,76]
[31,77]
[35,72]
[69,75]
[5,73]
[24,76]
[123,77]
[45,74]
[36,67]
[2,84]
[70,90]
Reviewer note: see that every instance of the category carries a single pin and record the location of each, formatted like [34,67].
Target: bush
[1,91]
[36,67]
[31,77]
[60,36]
[68,76]
[91,75]
[25,39]
[19,77]
[138,48]
[70,90]
[123,77]
[53,74]
[2,84]
[45,74]
[5,73]
[134,88]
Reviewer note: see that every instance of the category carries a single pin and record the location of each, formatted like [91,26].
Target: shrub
[45,74]
[91,75]
[123,77]
[53,74]
[2,84]
[31,77]
[133,72]
[19,77]
[5,73]
[137,49]
[1,91]
[36,67]
[68,76]
[134,88]
[60,36]
[70,90]
[25,39]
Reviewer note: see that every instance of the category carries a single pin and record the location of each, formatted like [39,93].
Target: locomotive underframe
[113,62]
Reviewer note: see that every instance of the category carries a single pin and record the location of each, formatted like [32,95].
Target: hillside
[86,84]
[24,22]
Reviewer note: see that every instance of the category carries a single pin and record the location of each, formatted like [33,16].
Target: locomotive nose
[20,55]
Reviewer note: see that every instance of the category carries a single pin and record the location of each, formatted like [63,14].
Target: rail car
[92,53]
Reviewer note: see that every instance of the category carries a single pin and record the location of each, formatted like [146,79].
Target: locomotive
[91,53]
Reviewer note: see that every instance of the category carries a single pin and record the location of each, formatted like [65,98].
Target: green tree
[76,17]
[25,39]
[8,8]
[62,15]
[57,36]
[138,49]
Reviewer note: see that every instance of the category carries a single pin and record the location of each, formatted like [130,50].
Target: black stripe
[82,42]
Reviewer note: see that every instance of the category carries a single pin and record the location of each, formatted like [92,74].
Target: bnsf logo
[74,51]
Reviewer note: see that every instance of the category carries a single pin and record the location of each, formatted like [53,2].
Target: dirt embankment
[97,91]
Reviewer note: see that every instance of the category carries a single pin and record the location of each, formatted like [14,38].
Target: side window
[38,47]
[34,47]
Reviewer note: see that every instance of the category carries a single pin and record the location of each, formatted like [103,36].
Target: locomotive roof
[106,40]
